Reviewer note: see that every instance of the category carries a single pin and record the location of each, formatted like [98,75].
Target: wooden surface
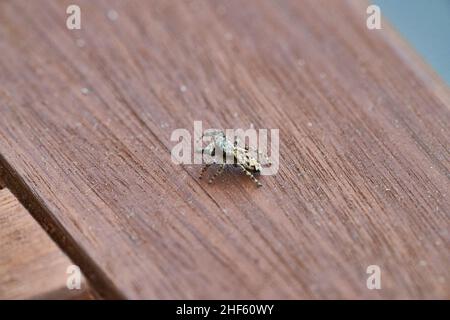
[364,155]
[31,265]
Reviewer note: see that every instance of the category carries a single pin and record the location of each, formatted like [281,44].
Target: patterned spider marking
[241,156]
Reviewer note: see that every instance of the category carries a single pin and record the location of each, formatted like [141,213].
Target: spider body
[242,158]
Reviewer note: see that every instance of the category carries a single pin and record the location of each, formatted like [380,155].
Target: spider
[241,156]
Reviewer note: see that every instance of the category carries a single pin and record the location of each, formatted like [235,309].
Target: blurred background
[425,24]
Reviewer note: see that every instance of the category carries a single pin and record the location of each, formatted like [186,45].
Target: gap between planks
[31,264]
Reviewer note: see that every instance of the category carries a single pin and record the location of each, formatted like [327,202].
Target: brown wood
[364,162]
[31,265]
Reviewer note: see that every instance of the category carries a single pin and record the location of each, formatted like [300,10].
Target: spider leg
[207,165]
[204,168]
[248,173]
[218,172]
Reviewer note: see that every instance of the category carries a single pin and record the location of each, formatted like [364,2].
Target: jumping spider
[241,156]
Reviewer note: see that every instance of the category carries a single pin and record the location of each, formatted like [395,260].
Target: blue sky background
[426,25]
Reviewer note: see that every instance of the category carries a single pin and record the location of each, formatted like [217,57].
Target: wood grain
[31,265]
[364,155]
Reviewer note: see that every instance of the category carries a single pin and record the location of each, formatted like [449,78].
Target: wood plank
[31,265]
[364,162]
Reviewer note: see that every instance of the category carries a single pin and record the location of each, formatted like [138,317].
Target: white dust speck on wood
[112,15]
